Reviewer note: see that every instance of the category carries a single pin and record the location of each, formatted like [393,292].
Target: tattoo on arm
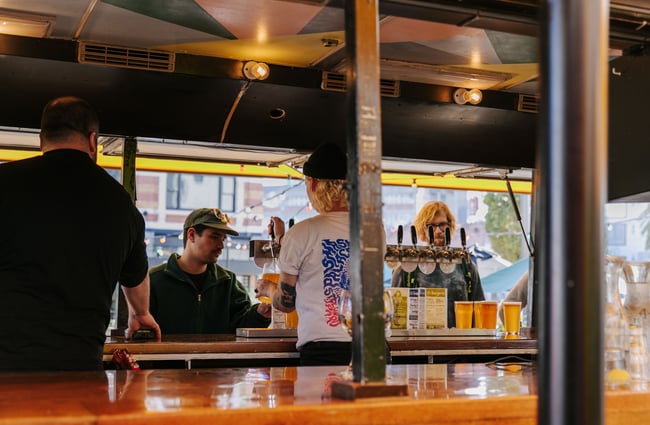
[287,295]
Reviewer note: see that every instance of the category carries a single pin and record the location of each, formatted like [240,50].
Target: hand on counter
[140,321]
[264,310]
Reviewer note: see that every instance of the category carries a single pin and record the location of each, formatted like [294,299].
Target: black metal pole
[364,177]
[571,180]
[128,181]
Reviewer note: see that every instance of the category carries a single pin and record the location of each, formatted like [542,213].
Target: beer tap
[445,254]
[410,256]
[464,261]
[428,255]
[394,253]
[461,254]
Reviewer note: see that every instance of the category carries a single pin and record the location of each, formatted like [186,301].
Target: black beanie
[327,162]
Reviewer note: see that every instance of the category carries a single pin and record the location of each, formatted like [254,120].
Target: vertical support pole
[533,280]
[128,181]
[364,176]
[571,192]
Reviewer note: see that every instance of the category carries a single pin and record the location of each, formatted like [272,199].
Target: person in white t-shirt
[314,262]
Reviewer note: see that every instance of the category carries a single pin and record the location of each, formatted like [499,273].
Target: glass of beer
[291,320]
[270,272]
[487,314]
[512,316]
[464,311]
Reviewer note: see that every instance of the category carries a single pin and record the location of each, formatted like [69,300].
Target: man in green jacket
[192,294]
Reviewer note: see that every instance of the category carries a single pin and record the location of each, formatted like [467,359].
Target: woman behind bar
[438,215]
[314,262]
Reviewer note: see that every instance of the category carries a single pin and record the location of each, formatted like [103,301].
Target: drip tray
[445,332]
[266,333]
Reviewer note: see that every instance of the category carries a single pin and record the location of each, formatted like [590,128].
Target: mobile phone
[143,334]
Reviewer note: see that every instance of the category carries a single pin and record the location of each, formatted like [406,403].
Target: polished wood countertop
[478,394]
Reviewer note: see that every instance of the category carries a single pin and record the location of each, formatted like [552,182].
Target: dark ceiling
[424,45]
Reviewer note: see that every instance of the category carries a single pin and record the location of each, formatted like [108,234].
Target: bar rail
[216,346]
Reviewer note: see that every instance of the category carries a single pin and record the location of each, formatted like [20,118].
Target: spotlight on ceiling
[256,70]
[463,96]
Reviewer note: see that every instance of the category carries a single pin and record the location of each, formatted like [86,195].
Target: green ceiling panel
[180,12]
[512,48]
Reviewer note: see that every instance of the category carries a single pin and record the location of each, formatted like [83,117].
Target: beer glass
[487,313]
[637,297]
[291,320]
[345,318]
[270,272]
[464,311]
[512,316]
[389,312]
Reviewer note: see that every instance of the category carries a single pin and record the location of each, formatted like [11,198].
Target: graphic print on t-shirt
[336,255]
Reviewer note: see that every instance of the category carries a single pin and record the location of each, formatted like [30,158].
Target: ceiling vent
[528,103]
[126,57]
[333,81]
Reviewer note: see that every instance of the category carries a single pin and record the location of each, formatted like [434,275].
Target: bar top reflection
[477,393]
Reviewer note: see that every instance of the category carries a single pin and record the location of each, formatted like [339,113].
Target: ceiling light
[463,96]
[25,24]
[256,70]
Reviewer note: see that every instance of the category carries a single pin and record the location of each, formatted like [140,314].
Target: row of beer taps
[426,256]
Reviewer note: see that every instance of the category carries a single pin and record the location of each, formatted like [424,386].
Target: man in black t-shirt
[68,233]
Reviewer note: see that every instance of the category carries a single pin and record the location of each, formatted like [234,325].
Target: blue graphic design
[336,276]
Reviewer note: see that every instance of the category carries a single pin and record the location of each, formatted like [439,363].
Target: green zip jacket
[222,306]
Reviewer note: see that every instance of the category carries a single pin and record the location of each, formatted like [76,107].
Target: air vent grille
[126,57]
[333,81]
[528,103]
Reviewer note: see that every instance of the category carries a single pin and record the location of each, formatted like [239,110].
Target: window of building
[227,193]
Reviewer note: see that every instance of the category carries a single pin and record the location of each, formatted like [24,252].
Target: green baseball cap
[210,217]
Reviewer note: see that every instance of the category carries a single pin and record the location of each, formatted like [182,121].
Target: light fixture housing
[463,96]
[25,24]
[256,70]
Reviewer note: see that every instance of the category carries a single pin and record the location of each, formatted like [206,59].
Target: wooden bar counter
[229,347]
[204,346]
[437,394]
